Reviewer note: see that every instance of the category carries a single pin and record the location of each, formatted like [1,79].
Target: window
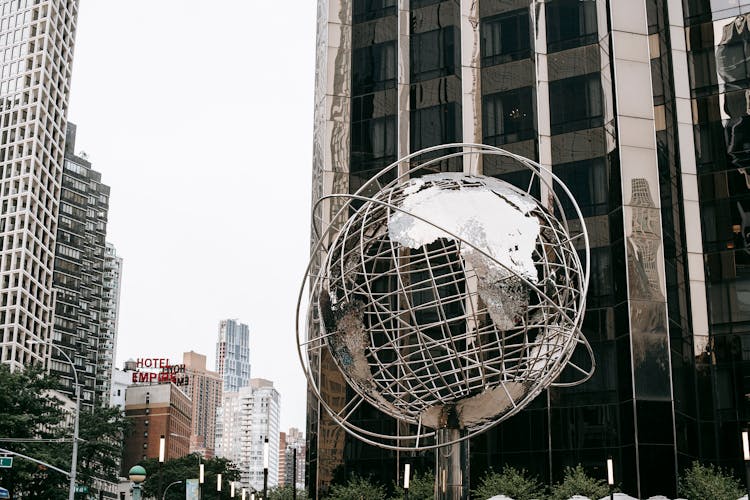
[588,182]
[506,38]
[365,10]
[434,125]
[434,54]
[570,23]
[374,68]
[373,139]
[575,103]
[508,117]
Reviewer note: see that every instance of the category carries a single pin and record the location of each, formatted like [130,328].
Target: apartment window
[506,38]
[508,116]
[374,68]
[575,103]
[570,23]
[434,54]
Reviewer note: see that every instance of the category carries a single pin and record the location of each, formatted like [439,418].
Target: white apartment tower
[111,283]
[36,40]
[233,354]
[246,418]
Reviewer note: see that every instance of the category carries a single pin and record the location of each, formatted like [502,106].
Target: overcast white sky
[199,116]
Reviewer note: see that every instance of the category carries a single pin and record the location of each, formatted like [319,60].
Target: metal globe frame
[548,316]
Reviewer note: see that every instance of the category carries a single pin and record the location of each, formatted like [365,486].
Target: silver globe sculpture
[449,299]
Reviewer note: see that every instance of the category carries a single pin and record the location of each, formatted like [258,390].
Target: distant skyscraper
[246,418]
[36,39]
[233,354]
[79,280]
[204,389]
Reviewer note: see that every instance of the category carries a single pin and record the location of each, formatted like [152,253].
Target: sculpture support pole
[452,466]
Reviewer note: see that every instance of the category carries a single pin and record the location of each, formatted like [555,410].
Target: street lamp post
[231,489]
[265,468]
[294,473]
[611,478]
[746,457]
[162,450]
[164,495]
[200,479]
[74,458]
[137,474]
[218,486]
[407,470]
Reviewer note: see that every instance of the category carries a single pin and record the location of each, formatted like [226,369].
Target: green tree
[357,488]
[577,482]
[178,469]
[700,482]
[100,450]
[511,482]
[421,487]
[286,493]
[29,413]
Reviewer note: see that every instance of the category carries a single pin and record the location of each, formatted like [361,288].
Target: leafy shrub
[577,482]
[700,482]
[511,482]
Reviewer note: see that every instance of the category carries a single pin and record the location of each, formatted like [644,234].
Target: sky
[199,117]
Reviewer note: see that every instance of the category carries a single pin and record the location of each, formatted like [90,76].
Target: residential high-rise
[640,107]
[156,410]
[108,325]
[246,418]
[37,42]
[294,439]
[233,354]
[81,295]
[204,390]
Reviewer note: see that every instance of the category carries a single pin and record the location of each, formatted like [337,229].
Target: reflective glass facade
[640,107]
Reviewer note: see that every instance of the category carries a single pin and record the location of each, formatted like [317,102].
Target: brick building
[156,410]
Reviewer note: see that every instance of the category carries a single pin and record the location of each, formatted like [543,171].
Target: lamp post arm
[164,495]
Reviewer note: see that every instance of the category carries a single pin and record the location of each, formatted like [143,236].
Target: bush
[577,482]
[700,482]
[286,493]
[421,487]
[357,488]
[511,482]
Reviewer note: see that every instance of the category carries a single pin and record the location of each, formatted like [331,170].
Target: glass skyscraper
[640,107]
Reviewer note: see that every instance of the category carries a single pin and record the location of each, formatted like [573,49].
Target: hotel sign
[159,371]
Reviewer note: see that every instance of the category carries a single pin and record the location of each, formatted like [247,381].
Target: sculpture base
[452,466]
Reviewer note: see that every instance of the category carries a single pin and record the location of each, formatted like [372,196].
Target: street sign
[81,488]
[6,462]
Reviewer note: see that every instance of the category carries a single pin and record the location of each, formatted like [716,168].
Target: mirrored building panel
[641,108]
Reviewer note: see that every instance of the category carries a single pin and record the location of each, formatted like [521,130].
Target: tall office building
[233,354]
[81,294]
[246,418]
[641,108]
[204,390]
[36,39]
